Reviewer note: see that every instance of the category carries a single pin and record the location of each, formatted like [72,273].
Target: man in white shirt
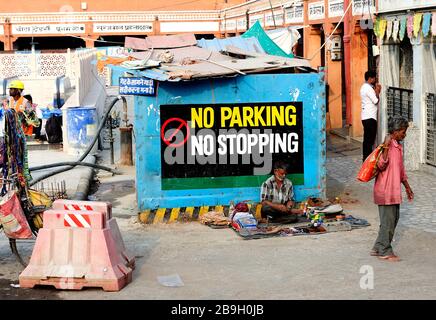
[369,94]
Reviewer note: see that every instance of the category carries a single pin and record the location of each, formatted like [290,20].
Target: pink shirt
[387,186]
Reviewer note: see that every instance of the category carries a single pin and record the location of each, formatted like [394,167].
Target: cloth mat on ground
[277,231]
[286,220]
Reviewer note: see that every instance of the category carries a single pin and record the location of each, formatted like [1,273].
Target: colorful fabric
[403,24]
[380,27]
[14,151]
[410,26]
[426,24]
[417,24]
[395,30]
[433,26]
[389,30]
[383,24]
[377,27]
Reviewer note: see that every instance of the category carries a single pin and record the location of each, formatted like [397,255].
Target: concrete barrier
[76,249]
[106,208]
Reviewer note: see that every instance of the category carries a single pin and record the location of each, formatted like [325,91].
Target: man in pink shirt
[387,187]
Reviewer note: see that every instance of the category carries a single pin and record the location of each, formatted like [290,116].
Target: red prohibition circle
[183,123]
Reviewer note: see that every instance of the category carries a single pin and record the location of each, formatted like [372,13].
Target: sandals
[392,258]
[374,253]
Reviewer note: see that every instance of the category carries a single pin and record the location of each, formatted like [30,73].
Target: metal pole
[111,140]
[272,12]
[347,56]
[125,119]
[126,157]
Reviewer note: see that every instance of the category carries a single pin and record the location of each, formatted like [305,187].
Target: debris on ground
[172,280]
[213,218]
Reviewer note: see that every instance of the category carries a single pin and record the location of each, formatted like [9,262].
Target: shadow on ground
[8,292]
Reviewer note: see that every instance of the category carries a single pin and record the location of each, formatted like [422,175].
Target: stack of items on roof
[182,57]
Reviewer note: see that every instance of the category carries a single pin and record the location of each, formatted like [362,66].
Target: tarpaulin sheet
[285,38]
[265,41]
[247,44]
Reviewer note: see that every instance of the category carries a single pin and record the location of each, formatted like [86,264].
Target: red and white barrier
[75,205]
[106,208]
[72,253]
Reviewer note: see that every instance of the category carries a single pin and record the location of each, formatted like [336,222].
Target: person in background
[387,187]
[369,95]
[35,117]
[22,106]
[277,195]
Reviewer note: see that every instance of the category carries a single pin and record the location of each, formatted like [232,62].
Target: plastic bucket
[81,126]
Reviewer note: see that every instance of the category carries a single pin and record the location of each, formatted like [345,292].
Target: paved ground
[217,264]
[343,163]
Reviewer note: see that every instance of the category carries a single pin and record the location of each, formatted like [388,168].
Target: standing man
[369,95]
[277,195]
[21,105]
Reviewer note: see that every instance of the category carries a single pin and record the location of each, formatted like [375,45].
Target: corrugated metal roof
[247,44]
[211,58]
[160,42]
[178,55]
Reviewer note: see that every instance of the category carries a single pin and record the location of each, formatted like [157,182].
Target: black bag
[53,129]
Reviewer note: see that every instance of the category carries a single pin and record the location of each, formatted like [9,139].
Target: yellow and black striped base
[186,214]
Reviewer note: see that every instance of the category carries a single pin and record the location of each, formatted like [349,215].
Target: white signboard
[189,26]
[278,18]
[242,24]
[316,10]
[123,27]
[2,30]
[222,25]
[295,14]
[363,7]
[48,28]
[230,25]
[255,18]
[336,8]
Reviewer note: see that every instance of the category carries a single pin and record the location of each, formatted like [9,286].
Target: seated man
[277,196]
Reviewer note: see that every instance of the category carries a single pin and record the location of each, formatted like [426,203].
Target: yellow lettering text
[226,114]
[247,114]
[197,118]
[236,118]
[291,118]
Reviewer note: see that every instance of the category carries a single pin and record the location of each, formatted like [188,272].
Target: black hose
[88,150]
[73,163]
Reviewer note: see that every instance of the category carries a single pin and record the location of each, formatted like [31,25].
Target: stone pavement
[343,163]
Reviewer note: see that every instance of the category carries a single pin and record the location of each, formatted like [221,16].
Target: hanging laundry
[433,26]
[377,27]
[417,24]
[403,24]
[382,28]
[426,24]
[389,30]
[395,30]
[410,26]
